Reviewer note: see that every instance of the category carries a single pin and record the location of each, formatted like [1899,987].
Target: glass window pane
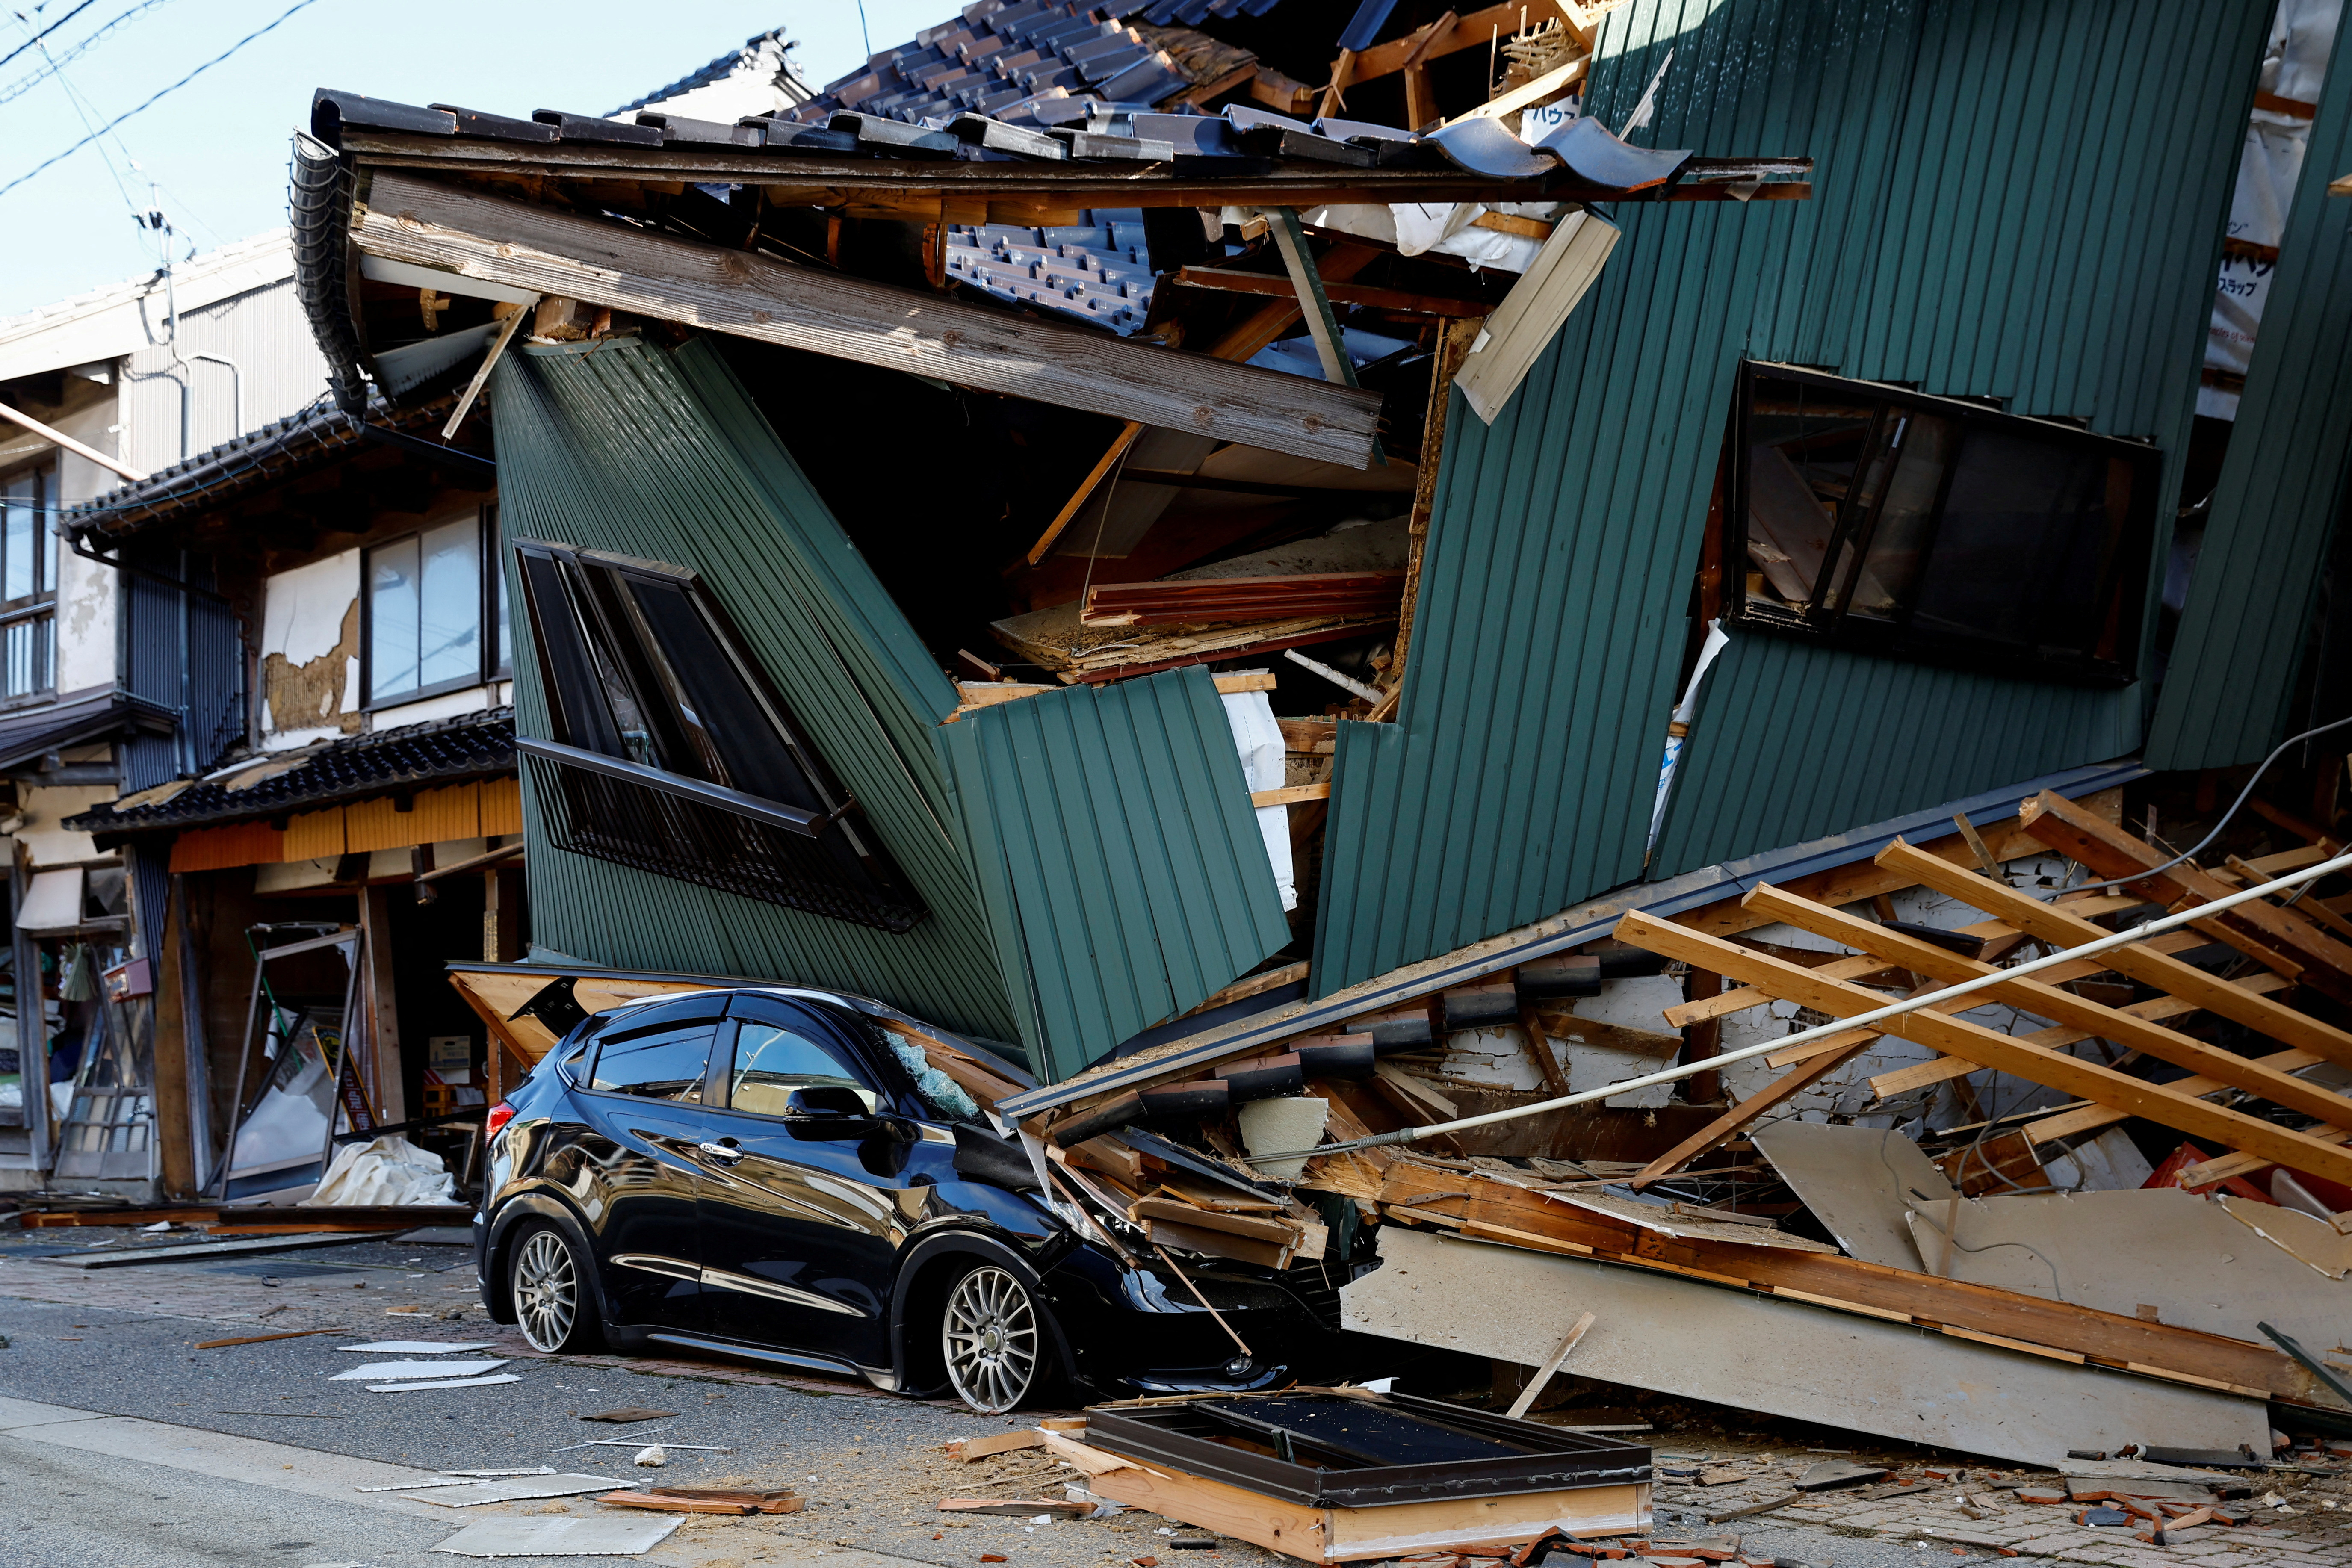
[727,721]
[2021,552]
[1805,443]
[506,626]
[1923,443]
[392,620]
[450,605]
[46,542]
[18,559]
[659,1064]
[771,1061]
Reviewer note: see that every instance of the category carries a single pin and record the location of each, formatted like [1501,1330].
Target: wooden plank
[1419,99]
[2250,875]
[1070,507]
[2085,1118]
[2036,997]
[1314,305]
[1230,280]
[1877,1290]
[1290,795]
[806,308]
[1454,340]
[1537,1040]
[1542,90]
[1244,681]
[2108,850]
[1919,1075]
[1986,1048]
[1473,31]
[2145,962]
[1525,1401]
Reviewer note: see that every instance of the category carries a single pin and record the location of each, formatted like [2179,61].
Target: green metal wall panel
[630,448]
[2016,200]
[2282,487]
[1933,735]
[1111,832]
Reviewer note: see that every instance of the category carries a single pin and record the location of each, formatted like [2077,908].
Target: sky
[216,149]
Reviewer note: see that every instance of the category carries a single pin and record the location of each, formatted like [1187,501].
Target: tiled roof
[441,750]
[757,53]
[281,449]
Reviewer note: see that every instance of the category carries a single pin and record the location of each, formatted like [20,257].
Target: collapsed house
[1001,536]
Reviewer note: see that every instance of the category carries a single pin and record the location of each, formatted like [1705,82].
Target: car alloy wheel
[989,1332]
[546,1290]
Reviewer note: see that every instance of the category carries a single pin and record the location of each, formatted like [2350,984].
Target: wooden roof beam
[1989,1048]
[753,296]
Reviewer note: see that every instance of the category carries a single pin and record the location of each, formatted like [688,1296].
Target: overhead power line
[45,32]
[158,97]
[58,62]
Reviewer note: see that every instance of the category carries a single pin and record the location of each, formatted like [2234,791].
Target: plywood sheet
[1856,1180]
[2156,1247]
[1682,1337]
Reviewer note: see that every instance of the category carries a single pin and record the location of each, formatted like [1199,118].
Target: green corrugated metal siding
[632,448]
[2019,200]
[2235,663]
[1111,831]
[1933,735]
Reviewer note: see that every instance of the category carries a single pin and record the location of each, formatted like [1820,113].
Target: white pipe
[60,438]
[236,389]
[2140,932]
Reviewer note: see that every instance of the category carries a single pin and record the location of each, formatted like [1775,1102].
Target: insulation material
[387,1170]
[1258,739]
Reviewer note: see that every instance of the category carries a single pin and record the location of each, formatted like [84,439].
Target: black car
[771,1172]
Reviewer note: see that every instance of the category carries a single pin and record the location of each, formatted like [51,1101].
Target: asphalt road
[872,1466]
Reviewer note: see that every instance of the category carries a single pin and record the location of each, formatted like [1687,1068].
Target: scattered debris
[588,1536]
[707,1499]
[630,1412]
[651,1458]
[265,1339]
[517,1489]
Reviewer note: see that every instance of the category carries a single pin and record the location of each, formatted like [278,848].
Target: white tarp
[387,1170]
[2294,65]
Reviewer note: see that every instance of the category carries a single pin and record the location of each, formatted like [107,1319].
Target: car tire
[993,1336]
[550,1282]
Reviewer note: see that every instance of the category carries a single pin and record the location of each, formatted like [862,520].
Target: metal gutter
[1568,929]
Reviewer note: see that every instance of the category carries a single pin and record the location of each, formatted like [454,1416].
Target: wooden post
[174,1116]
[32,1018]
[382,1007]
[1703,1040]
[502,907]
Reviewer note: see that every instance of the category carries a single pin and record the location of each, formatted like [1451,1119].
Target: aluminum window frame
[2128,558]
[42,603]
[490,614]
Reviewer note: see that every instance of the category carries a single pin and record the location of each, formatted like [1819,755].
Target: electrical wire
[159,96]
[45,32]
[23,85]
[2234,805]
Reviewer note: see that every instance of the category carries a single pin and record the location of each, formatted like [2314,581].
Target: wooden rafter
[1989,1048]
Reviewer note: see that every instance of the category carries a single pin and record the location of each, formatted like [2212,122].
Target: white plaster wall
[302,618]
[87,592]
[44,810]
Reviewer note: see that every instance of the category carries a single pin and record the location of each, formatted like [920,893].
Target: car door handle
[726,1149]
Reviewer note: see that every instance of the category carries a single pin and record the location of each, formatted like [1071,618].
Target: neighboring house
[149,372]
[354,560]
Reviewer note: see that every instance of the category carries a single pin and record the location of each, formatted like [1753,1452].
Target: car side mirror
[820,1101]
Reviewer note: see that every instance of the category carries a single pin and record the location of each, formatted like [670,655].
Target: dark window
[666,1062]
[436,621]
[674,753]
[29,582]
[1936,527]
[771,1060]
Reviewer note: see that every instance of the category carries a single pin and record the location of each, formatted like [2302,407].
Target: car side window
[771,1060]
[666,1062]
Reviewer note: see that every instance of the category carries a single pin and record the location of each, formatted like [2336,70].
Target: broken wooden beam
[2263,931]
[754,295]
[1231,280]
[2062,927]
[1989,1048]
[2036,997]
